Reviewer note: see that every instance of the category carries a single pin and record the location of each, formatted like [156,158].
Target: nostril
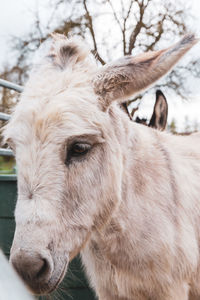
[44,269]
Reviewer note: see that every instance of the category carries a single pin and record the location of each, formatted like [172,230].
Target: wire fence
[6,117]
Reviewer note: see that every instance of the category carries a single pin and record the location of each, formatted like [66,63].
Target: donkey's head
[66,133]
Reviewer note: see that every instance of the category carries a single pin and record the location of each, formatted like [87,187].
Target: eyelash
[76,151]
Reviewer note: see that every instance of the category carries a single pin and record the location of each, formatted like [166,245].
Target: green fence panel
[7,227]
[8,195]
[75,285]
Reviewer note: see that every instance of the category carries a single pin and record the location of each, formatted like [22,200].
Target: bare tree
[113,28]
[7,97]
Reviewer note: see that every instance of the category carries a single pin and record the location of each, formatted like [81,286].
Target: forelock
[65,51]
[61,64]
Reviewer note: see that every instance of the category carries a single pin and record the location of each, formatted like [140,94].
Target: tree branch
[90,26]
[138,27]
[160,31]
[124,27]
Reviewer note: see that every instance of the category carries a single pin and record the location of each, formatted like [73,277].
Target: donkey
[160,112]
[125,196]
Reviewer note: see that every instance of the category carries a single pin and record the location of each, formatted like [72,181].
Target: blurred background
[112,28]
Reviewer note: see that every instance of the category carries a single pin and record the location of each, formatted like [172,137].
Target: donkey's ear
[130,75]
[160,112]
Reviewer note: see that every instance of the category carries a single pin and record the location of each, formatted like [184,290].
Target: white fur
[131,206]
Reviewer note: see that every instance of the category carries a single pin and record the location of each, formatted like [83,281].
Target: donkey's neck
[144,160]
[145,170]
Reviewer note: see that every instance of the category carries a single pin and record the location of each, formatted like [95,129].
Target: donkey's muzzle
[34,268]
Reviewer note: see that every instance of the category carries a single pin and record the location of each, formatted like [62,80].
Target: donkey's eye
[77,150]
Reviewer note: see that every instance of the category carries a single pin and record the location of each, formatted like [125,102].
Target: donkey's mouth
[52,286]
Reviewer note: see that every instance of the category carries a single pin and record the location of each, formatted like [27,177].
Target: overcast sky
[16,18]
